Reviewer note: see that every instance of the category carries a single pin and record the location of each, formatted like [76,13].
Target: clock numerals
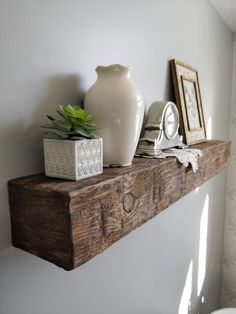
[171,121]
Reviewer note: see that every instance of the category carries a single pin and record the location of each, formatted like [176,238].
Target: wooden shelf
[67,223]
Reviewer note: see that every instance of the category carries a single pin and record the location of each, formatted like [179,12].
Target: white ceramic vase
[118,108]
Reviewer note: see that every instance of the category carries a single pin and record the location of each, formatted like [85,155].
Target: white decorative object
[161,129]
[186,156]
[118,107]
[73,160]
[225,311]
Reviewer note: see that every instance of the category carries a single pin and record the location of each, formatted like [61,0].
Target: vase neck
[113,70]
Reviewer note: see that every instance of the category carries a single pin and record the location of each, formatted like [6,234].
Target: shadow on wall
[21,137]
[61,90]
[168,95]
[169,87]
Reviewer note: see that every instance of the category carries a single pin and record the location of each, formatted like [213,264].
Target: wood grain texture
[67,223]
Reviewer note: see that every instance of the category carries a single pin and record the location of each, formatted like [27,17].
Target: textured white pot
[73,160]
[118,108]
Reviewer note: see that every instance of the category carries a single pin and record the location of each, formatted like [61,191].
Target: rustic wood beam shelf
[68,223]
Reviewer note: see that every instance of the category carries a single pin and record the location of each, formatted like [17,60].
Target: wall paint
[49,50]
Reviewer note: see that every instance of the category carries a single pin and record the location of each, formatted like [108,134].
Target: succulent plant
[76,124]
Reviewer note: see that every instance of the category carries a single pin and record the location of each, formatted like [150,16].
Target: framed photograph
[189,102]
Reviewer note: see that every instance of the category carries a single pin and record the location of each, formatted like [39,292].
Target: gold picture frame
[189,102]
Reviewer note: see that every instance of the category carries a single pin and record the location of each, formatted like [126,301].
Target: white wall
[48,52]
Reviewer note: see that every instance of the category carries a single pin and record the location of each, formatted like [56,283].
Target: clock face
[171,121]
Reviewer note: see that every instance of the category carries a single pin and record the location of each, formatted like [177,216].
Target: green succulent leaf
[56,135]
[74,137]
[61,113]
[48,126]
[82,131]
[63,125]
[76,123]
[50,118]
[89,127]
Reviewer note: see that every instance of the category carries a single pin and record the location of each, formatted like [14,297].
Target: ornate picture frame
[189,102]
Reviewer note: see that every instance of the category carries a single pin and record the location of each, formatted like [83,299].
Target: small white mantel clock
[161,129]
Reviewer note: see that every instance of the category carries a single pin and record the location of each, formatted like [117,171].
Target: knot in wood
[128,202]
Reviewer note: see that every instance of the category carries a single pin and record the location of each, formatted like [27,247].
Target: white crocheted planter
[73,160]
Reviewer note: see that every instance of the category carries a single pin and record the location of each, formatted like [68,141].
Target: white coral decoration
[186,156]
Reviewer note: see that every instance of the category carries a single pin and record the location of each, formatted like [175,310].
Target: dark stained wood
[68,223]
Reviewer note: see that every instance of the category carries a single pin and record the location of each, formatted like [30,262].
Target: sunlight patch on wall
[203,245]
[187,292]
[209,128]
